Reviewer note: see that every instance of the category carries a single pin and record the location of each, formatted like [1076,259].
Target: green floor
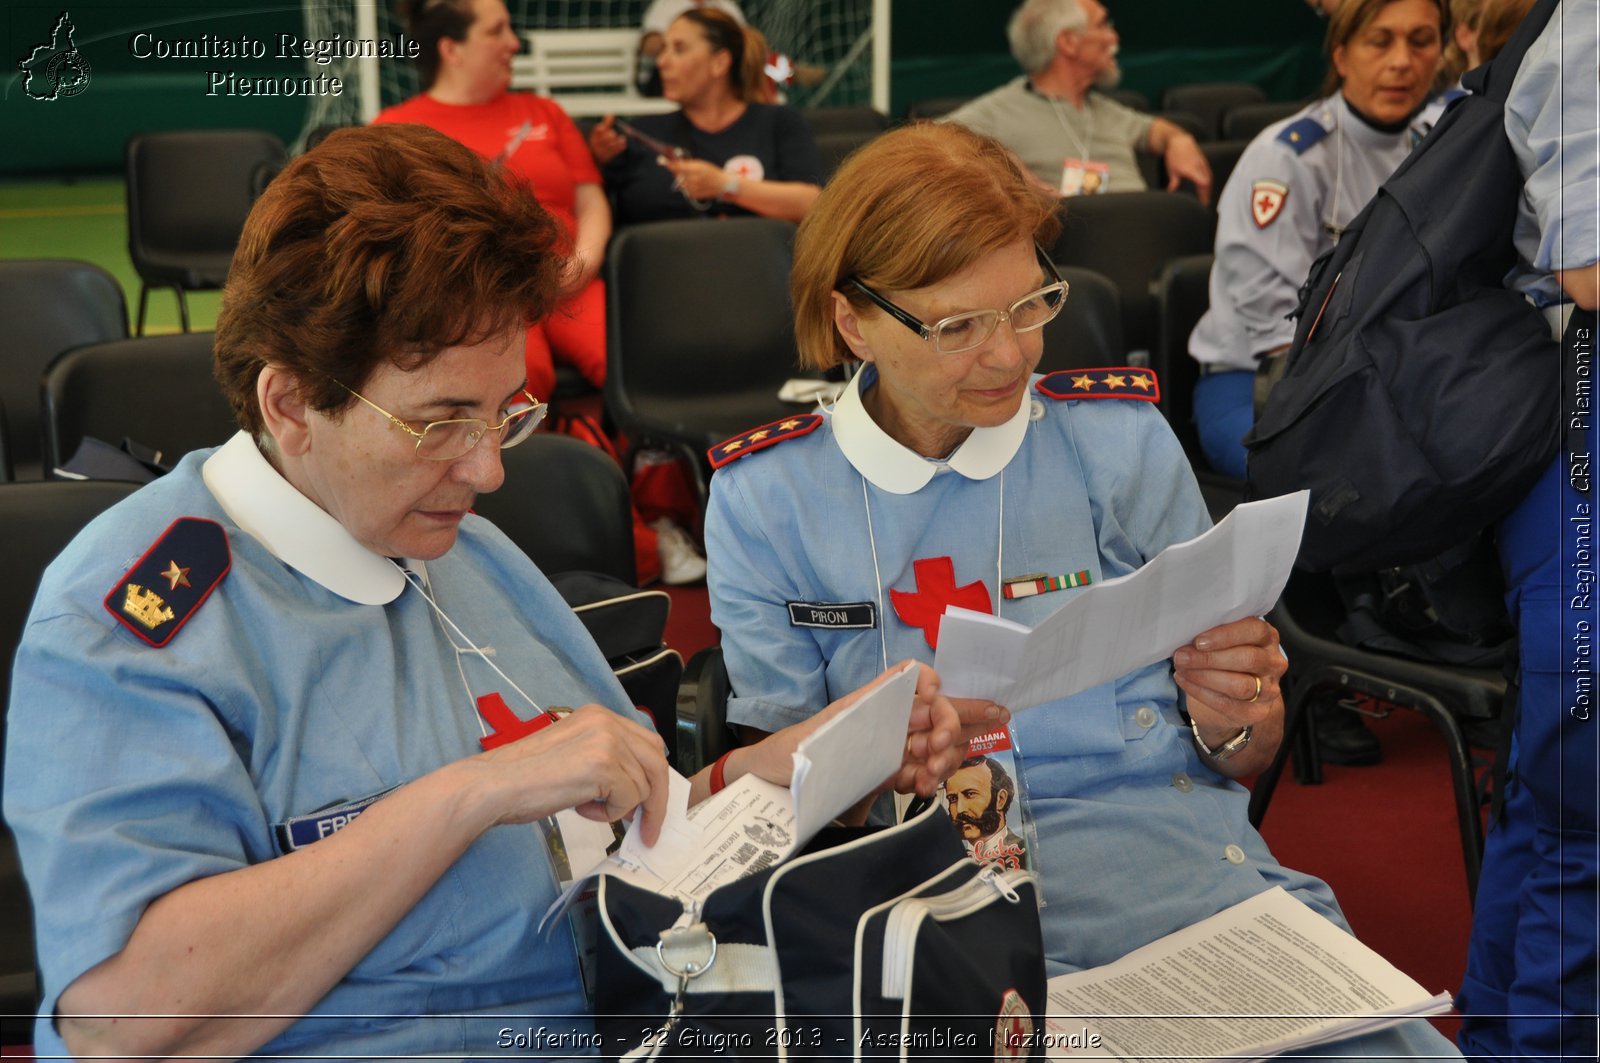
[87,219]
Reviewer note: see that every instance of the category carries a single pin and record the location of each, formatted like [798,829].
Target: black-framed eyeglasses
[455,437]
[964,331]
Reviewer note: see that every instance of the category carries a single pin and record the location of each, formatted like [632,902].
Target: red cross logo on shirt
[936,590]
[506,726]
[1266,201]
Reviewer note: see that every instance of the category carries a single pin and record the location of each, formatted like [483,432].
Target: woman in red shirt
[466,48]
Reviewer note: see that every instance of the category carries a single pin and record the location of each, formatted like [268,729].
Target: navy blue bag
[1420,398]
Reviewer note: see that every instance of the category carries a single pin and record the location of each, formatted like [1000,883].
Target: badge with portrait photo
[985,799]
[1080,177]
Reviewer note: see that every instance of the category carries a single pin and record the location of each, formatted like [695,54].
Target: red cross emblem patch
[1013,1028]
[1266,201]
[936,590]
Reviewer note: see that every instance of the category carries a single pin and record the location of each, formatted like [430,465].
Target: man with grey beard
[1075,141]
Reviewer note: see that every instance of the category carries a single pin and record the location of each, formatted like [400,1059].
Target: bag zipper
[905,918]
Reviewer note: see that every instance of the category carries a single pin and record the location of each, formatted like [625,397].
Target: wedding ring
[1257,694]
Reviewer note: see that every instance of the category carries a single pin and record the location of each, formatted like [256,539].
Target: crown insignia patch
[167,586]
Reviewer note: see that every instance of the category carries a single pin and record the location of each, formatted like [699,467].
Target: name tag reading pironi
[832,614]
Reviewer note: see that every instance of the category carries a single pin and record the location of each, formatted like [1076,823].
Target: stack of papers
[754,824]
[1267,976]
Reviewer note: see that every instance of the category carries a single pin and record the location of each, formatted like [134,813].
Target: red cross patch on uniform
[760,438]
[1266,201]
[1123,382]
[936,590]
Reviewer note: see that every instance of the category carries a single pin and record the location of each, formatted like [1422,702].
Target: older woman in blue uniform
[1530,989]
[276,784]
[1294,189]
[948,473]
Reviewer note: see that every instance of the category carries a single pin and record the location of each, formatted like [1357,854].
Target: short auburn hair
[385,243]
[909,208]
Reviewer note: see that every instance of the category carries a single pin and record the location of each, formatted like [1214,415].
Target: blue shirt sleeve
[1551,122]
[749,584]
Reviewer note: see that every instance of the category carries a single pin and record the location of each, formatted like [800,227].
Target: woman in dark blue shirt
[732,154]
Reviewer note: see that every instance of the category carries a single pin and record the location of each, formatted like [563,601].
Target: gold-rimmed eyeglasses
[963,332]
[454,438]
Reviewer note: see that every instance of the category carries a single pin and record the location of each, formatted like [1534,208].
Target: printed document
[754,824]
[1236,570]
[1267,976]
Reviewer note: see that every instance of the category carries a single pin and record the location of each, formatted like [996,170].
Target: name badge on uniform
[301,831]
[832,614]
[1081,177]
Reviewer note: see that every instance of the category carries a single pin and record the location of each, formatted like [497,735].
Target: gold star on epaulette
[760,438]
[156,618]
[175,576]
[1112,382]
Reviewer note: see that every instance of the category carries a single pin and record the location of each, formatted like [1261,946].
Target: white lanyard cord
[1083,145]
[472,647]
[1334,227]
[877,575]
[877,578]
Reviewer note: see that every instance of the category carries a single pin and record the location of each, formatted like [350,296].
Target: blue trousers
[1224,411]
[1530,989]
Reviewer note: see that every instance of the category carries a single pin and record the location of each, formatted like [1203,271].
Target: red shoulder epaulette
[760,438]
[167,586]
[1123,382]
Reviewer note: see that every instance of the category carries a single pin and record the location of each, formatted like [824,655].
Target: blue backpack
[1420,398]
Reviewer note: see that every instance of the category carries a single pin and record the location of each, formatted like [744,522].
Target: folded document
[1235,570]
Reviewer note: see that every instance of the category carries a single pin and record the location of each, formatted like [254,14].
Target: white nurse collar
[891,467]
[299,532]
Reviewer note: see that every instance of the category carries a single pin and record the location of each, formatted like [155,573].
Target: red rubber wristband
[717,769]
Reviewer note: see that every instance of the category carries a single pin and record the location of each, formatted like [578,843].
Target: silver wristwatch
[1226,749]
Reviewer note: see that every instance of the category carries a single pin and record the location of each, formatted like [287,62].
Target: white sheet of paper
[679,835]
[1235,570]
[585,840]
[846,758]
[753,823]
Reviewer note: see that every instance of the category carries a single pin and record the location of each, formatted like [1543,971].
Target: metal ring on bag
[677,936]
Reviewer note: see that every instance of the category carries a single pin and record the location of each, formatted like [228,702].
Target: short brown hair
[1351,18]
[747,74]
[431,21]
[383,243]
[908,209]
